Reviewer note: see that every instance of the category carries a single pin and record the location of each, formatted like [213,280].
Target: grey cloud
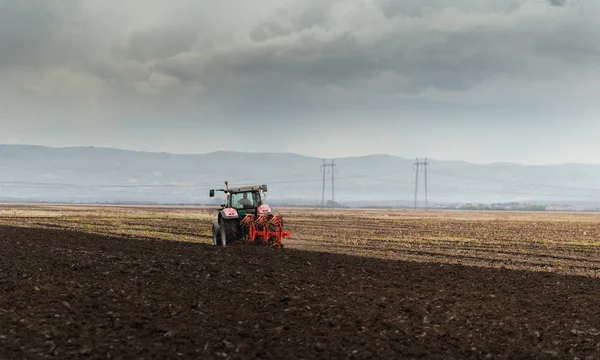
[420,8]
[270,29]
[424,58]
[104,71]
[311,53]
[338,60]
[156,44]
[572,43]
[27,28]
[126,73]
[557,2]
[295,17]
[42,33]
[305,48]
[310,13]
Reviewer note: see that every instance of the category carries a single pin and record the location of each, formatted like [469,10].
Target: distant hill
[38,173]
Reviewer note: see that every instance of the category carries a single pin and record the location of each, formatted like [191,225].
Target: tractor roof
[246,188]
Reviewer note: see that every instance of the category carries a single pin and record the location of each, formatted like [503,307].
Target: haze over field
[98,174]
[474,80]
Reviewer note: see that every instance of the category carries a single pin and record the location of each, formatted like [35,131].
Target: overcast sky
[474,80]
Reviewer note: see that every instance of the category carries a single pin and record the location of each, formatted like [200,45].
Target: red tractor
[245,216]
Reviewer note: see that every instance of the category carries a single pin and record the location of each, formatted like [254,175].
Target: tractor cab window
[243,200]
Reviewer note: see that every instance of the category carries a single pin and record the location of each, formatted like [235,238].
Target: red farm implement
[244,216]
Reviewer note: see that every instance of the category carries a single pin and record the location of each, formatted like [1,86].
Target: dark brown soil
[67,294]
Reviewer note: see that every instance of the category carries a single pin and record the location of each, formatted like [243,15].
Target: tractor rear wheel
[229,231]
[216,230]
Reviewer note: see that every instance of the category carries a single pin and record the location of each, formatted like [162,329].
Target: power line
[418,164]
[24,184]
[378,177]
[333,168]
[324,168]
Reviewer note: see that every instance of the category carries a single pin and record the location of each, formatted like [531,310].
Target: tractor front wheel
[229,231]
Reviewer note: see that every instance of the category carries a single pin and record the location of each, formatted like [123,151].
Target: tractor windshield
[245,200]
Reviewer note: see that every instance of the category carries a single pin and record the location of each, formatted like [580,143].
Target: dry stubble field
[145,282]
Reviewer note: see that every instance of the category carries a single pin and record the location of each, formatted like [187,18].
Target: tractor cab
[245,199]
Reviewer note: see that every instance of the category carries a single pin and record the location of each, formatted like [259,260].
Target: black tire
[216,230]
[229,231]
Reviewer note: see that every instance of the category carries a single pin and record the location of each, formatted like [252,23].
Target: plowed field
[132,282]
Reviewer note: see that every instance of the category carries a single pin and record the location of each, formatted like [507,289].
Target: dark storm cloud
[418,57]
[27,30]
[307,45]
[35,33]
[295,56]
[303,47]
